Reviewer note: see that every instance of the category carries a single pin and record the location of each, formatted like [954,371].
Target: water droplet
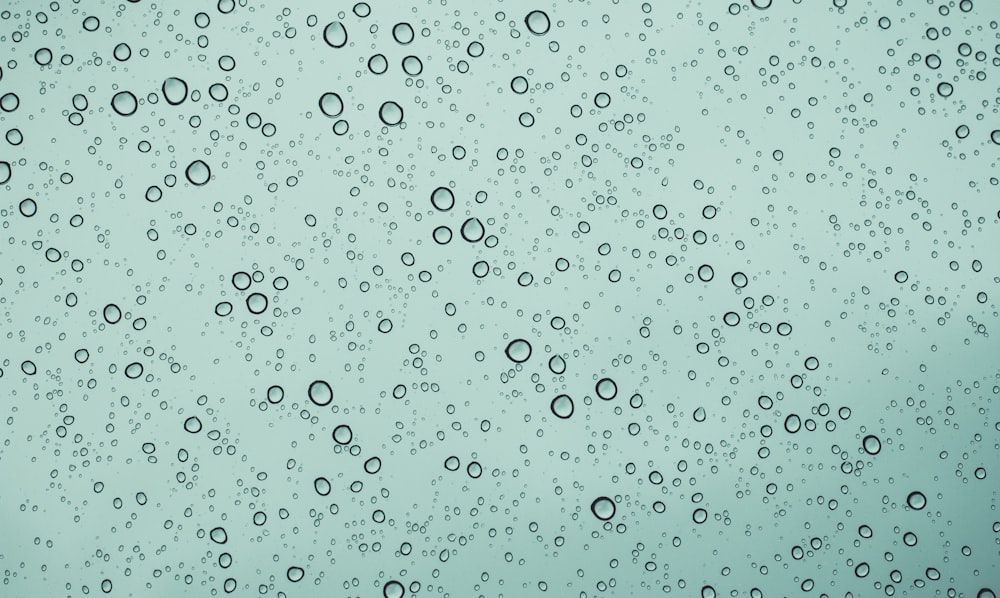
[562,406]
[335,34]
[442,199]
[320,393]
[871,444]
[331,105]
[518,350]
[256,303]
[472,230]
[175,91]
[378,64]
[606,389]
[537,22]
[603,508]
[343,434]
[391,114]
[112,313]
[393,589]
[198,173]
[275,394]
[218,535]
[124,103]
[916,500]
[373,465]
[412,66]
[557,365]
[403,33]
[322,486]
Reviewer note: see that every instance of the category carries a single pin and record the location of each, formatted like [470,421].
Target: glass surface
[456,298]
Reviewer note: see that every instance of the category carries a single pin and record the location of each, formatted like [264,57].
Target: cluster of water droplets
[452,300]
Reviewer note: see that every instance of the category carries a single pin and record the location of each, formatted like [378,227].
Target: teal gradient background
[772,224]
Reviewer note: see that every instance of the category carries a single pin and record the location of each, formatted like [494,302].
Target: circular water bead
[112,313]
[343,434]
[403,33]
[122,52]
[537,22]
[412,66]
[519,85]
[602,100]
[518,350]
[335,34]
[275,394]
[43,57]
[606,389]
[322,486]
[442,235]
[154,193]
[198,173]
[442,199]
[916,500]
[391,114]
[378,64]
[192,424]
[393,589]
[218,92]
[124,103]
[373,465]
[603,508]
[320,393]
[331,105]
[242,280]
[256,303]
[362,9]
[473,230]
[557,365]
[133,370]
[706,273]
[295,574]
[871,444]
[175,90]
[562,406]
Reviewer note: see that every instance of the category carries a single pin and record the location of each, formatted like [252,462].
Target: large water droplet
[603,508]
